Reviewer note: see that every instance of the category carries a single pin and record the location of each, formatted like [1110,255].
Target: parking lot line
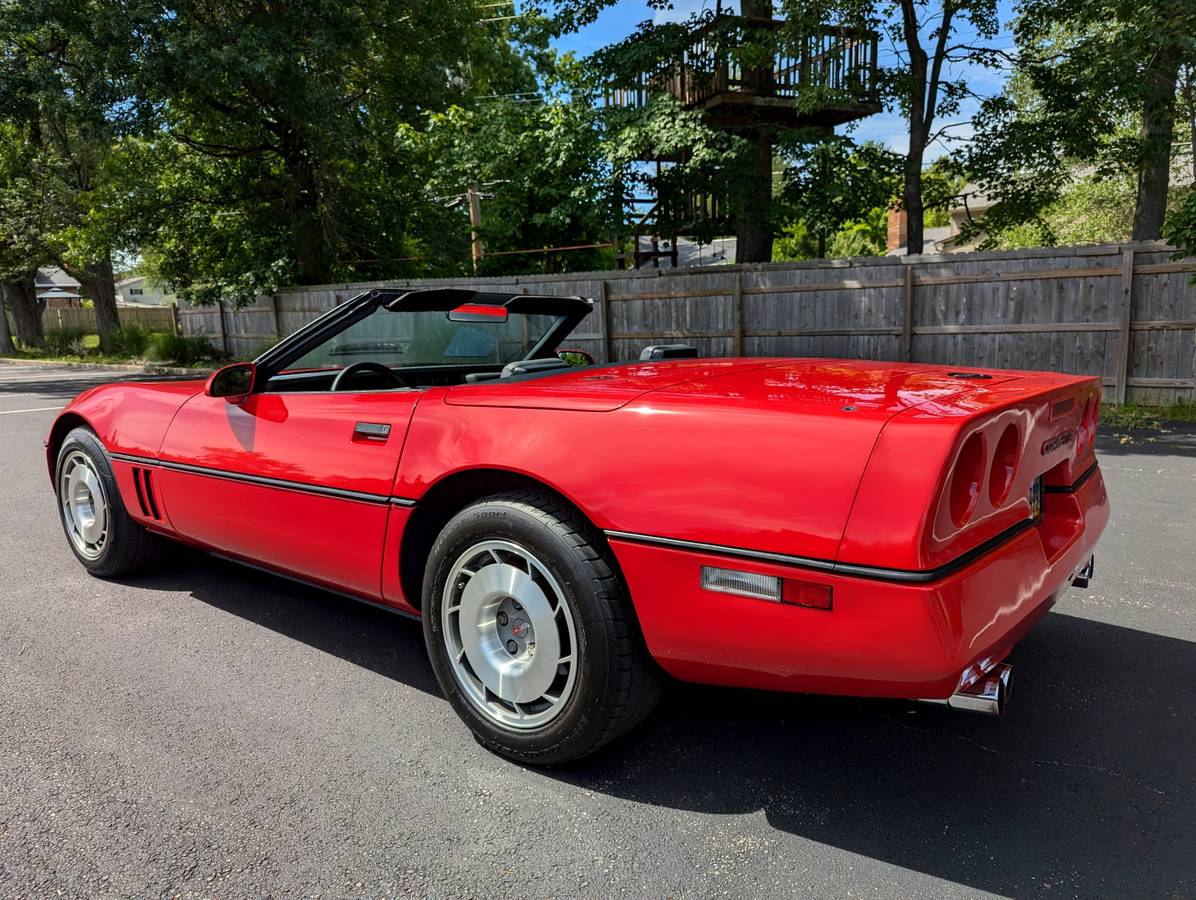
[9,412]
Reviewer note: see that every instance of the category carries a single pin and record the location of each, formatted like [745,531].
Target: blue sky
[620,20]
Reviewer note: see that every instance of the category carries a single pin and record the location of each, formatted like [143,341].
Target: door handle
[377,431]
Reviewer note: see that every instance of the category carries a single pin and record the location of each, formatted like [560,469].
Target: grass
[1137,415]
[130,344]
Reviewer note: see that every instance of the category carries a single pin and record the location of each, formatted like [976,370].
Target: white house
[141,291]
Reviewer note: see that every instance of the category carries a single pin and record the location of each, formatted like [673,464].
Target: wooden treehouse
[814,82]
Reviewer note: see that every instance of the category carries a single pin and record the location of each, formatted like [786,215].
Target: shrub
[128,340]
[65,341]
[180,350]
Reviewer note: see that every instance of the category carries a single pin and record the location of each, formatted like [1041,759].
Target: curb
[144,369]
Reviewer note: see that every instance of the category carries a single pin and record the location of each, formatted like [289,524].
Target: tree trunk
[7,347]
[753,225]
[21,295]
[98,285]
[911,201]
[313,250]
[753,220]
[1158,133]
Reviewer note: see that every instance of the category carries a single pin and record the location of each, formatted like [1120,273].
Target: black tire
[127,547]
[616,684]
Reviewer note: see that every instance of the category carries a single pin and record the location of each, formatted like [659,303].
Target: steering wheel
[348,372]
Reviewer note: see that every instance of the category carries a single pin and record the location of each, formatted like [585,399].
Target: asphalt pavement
[209,730]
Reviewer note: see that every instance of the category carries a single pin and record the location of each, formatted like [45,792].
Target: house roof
[58,294]
[130,282]
[934,240]
[53,277]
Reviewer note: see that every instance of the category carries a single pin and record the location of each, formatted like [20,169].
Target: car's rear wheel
[531,633]
[100,532]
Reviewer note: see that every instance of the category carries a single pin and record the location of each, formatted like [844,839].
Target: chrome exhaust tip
[987,695]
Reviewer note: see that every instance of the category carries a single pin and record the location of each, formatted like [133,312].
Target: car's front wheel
[101,533]
[531,633]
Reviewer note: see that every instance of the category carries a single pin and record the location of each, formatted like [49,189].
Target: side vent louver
[145,493]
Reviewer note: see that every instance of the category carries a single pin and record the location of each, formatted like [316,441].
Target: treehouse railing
[839,61]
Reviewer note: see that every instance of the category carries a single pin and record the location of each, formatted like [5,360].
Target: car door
[296,481]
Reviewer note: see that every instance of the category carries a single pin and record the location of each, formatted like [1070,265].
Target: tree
[22,232]
[546,181]
[284,116]
[832,184]
[1096,86]
[64,89]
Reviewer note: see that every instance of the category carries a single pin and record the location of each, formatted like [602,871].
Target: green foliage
[705,162]
[1091,210]
[128,340]
[541,170]
[1087,74]
[1181,224]
[833,183]
[65,341]
[179,350]
[1154,418]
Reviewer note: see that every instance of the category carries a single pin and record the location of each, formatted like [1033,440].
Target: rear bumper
[882,638]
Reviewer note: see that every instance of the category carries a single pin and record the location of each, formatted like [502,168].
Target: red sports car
[567,532]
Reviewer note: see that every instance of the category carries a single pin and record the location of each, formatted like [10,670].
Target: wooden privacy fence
[151,317]
[1125,312]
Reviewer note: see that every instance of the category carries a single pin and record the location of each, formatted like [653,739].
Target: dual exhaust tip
[987,695]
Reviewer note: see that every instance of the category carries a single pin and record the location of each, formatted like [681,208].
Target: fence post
[58,316]
[220,322]
[907,322]
[737,312]
[1123,340]
[175,324]
[606,323]
[274,313]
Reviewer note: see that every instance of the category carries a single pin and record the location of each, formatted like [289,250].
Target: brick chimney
[898,229]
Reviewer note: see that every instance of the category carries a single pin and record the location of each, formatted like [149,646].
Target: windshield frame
[571,311]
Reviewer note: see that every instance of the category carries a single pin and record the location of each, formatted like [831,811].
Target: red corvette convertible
[568,532]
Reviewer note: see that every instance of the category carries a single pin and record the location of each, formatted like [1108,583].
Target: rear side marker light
[766,587]
[806,593]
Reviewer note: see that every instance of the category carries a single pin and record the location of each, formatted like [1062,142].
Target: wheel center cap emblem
[519,628]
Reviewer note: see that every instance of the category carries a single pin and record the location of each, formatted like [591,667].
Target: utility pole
[474,196]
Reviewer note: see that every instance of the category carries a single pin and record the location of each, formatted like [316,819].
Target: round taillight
[966,478]
[1005,459]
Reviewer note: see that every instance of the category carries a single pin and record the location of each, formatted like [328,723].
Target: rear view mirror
[478,313]
[234,383]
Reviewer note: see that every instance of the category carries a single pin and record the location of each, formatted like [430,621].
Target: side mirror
[234,383]
[576,357]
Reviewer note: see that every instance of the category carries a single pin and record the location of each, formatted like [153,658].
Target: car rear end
[978,507]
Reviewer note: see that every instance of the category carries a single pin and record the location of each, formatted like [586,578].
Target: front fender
[129,417]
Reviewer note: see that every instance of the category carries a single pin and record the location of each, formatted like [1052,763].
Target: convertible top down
[568,533]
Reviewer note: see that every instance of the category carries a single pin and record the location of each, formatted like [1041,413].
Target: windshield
[404,338]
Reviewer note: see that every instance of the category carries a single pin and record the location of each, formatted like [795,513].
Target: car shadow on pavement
[1086,787]
[365,635]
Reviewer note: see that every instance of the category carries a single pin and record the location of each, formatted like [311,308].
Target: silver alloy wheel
[84,504]
[510,635]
